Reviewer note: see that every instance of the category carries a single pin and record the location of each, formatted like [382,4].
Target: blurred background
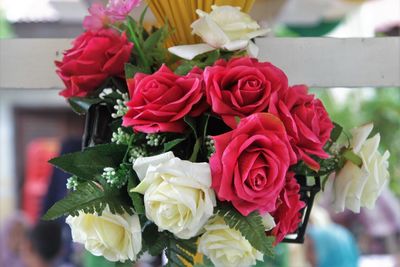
[36,125]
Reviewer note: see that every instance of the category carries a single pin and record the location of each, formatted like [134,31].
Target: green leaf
[251,227]
[141,20]
[131,70]
[124,264]
[353,157]
[90,198]
[212,57]
[90,163]
[171,144]
[185,68]
[206,263]
[180,252]
[154,39]
[81,105]
[137,199]
[237,119]
[154,241]
[336,132]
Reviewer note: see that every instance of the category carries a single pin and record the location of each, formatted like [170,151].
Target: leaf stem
[129,148]
[196,149]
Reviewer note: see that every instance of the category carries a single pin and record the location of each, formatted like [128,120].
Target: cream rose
[226,27]
[226,246]
[355,186]
[115,237]
[177,193]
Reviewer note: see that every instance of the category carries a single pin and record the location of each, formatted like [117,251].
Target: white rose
[226,27]
[113,236]
[177,193]
[355,186]
[226,246]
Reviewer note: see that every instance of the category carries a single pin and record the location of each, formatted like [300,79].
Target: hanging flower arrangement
[208,151]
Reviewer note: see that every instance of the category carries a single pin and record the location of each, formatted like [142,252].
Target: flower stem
[138,47]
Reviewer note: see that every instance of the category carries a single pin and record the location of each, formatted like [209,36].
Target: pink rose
[241,87]
[250,163]
[160,101]
[306,121]
[288,217]
[94,57]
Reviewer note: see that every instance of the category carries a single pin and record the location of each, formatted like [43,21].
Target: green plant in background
[380,106]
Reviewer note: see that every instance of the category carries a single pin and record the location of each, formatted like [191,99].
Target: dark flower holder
[98,131]
[309,187]
[97,126]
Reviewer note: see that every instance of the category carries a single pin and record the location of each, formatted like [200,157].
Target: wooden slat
[318,62]
[334,62]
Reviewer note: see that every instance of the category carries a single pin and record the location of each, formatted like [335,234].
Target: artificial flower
[287,216]
[101,17]
[359,186]
[177,193]
[227,247]
[94,57]
[119,9]
[306,121]
[250,163]
[161,100]
[242,86]
[116,237]
[97,19]
[226,27]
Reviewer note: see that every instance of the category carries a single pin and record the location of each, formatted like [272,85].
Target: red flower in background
[160,101]
[94,57]
[287,216]
[306,121]
[242,86]
[250,163]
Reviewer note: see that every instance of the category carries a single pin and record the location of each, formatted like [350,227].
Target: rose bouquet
[207,152]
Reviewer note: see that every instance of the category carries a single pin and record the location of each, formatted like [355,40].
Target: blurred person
[11,238]
[56,191]
[331,246]
[42,245]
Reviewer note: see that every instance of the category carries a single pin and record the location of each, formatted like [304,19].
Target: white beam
[335,62]
[318,62]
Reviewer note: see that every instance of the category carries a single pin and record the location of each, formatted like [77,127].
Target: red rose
[93,57]
[160,101]
[250,163]
[306,121]
[288,217]
[241,87]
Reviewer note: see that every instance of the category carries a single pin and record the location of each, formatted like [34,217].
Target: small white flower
[72,183]
[226,27]
[105,92]
[121,108]
[120,137]
[113,236]
[177,193]
[356,186]
[227,247]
